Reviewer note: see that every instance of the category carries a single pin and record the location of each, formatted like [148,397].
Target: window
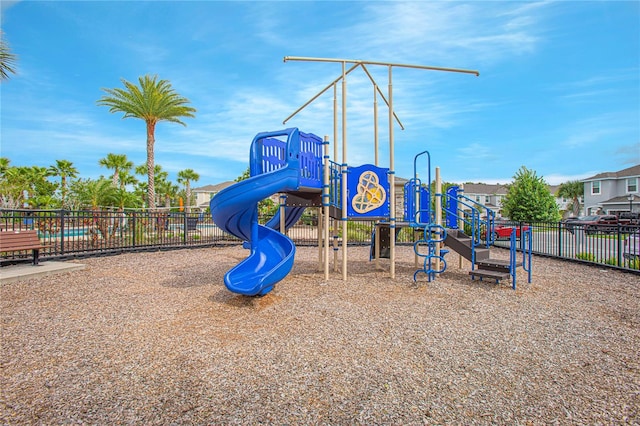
[487,199]
[595,187]
[632,185]
[477,198]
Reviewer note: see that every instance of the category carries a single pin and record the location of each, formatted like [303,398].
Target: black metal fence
[69,234]
[616,246]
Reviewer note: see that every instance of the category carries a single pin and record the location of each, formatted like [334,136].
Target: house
[565,204]
[489,195]
[612,192]
[492,195]
[204,194]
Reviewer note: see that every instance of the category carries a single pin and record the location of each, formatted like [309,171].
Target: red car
[601,224]
[502,231]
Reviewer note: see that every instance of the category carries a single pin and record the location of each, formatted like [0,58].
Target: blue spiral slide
[235,210]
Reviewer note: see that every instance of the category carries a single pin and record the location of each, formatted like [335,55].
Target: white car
[631,248]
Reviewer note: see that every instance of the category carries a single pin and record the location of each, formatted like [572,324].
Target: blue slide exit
[276,167]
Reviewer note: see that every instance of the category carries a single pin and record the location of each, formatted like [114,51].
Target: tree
[528,199]
[245,175]
[167,191]
[159,177]
[37,185]
[186,177]
[4,166]
[64,169]
[95,193]
[7,59]
[123,198]
[126,178]
[14,184]
[572,190]
[152,101]
[118,163]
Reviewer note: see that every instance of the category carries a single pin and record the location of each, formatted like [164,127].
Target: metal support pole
[344,172]
[320,234]
[325,206]
[336,161]
[376,252]
[375,123]
[460,214]
[283,228]
[392,184]
[438,191]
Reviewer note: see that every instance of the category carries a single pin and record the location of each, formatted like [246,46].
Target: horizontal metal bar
[392,64]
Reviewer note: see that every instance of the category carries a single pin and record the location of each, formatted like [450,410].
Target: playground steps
[485,273]
[460,242]
[496,269]
[485,266]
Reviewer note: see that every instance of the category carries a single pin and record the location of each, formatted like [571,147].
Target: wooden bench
[11,241]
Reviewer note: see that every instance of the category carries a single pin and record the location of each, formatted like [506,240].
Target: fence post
[619,246]
[185,224]
[559,239]
[133,228]
[62,220]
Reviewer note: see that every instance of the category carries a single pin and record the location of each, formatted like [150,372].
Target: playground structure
[298,165]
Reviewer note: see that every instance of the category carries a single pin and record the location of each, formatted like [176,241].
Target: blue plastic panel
[452,207]
[368,191]
[310,160]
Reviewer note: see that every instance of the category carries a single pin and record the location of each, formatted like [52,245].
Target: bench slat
[19,247]
[21,241]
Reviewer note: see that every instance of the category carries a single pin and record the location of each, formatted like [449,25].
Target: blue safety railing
[526,249]
[302,151]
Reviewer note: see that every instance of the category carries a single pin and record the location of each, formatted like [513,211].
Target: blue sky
[558,91]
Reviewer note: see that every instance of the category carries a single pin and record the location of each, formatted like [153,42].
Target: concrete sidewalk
[25,271]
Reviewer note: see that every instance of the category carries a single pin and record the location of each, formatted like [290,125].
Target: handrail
[527,245]
[489,222]
[512,257]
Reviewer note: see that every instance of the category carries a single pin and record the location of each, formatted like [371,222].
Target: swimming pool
[68,233]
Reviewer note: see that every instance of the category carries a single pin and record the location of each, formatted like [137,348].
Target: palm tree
[153,101]
[7,59]
[126,178]
[118,163]
[64,169]
[14,185]
[186,177]
[36,183]
[167,190]
[4,165]
[95,193]
[159,177]
[124,199]
[572,190]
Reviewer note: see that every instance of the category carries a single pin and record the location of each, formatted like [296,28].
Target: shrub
[634,263]
[586,256]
